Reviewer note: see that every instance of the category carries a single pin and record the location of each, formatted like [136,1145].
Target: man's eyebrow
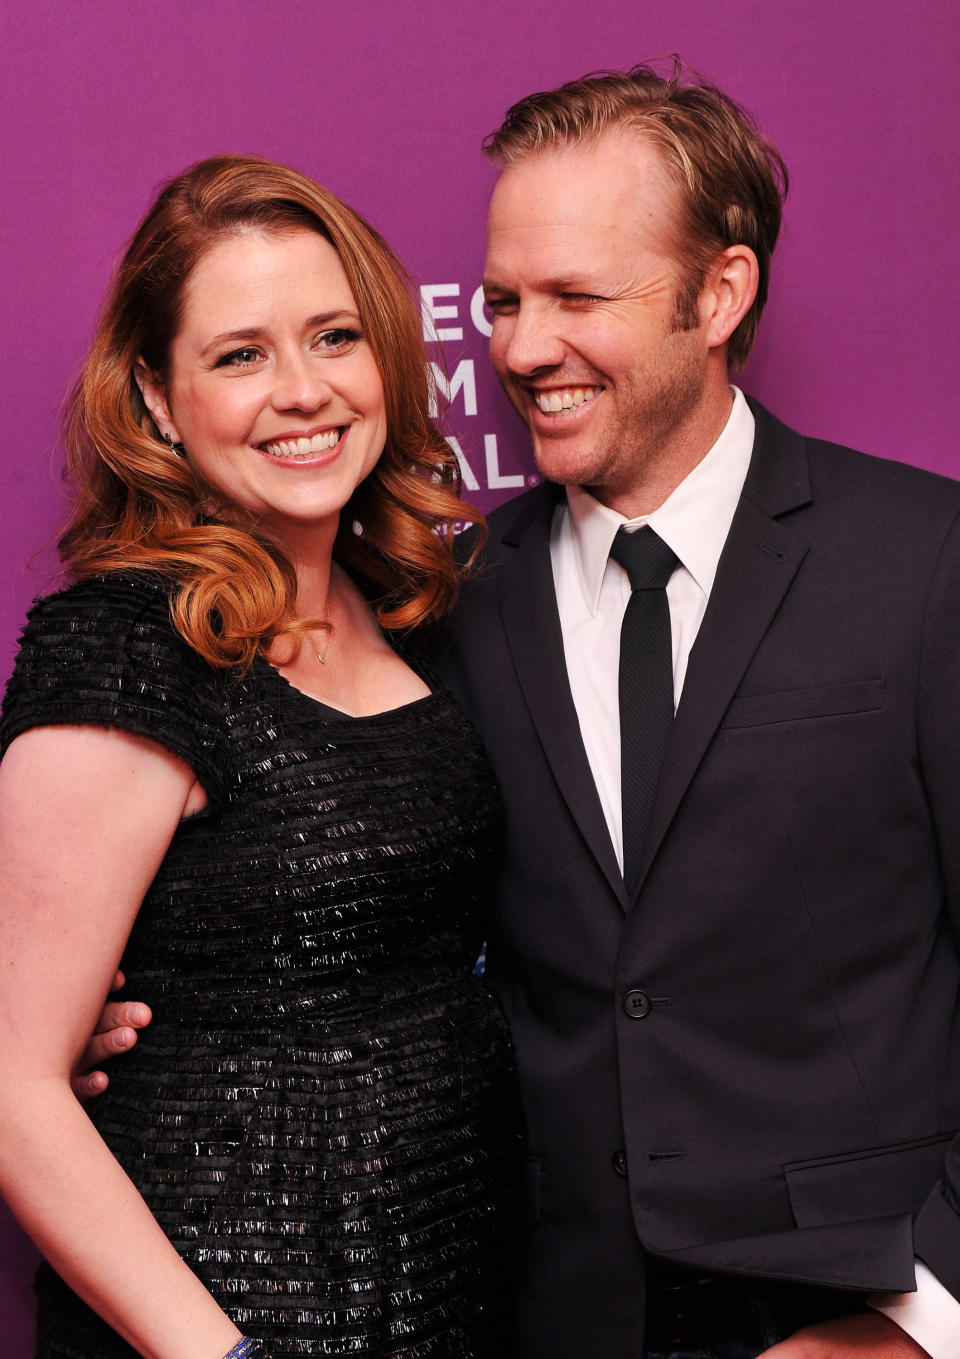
[562,283]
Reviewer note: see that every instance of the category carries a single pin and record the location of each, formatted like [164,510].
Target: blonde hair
[729,180]
[140,507]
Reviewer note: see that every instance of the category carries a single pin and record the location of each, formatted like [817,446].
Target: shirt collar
[694,520]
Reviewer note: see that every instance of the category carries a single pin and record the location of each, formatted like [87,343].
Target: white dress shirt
[592,595]
[592,591]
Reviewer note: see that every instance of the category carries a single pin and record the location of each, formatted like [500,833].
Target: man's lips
[564,398]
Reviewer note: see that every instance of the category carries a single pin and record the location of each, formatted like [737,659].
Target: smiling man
[621,386]
[716,666]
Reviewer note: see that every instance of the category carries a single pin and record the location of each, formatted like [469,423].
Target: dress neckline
[341,714]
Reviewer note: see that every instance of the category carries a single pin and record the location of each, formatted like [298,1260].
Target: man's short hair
[730,181]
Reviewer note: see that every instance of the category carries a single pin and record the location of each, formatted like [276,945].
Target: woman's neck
[310,552]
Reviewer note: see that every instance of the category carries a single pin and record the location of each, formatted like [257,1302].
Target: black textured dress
[322,1115]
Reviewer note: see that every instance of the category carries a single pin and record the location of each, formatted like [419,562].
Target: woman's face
[272,387]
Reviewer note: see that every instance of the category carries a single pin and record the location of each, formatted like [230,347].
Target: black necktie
[646,684]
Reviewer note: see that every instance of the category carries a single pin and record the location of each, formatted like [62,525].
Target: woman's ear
[154,395]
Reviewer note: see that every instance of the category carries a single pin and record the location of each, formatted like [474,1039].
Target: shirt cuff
[930,1316]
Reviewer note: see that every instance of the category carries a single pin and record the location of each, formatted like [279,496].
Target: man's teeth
[566,400]
[302,448]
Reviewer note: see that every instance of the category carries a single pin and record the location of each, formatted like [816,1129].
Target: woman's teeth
[566,400]
[302,448]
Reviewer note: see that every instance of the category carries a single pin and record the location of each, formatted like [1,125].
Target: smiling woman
[136,506]
[286,426]
[222,773]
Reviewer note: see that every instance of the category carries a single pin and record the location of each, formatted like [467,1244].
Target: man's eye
[501,306]
[580,297]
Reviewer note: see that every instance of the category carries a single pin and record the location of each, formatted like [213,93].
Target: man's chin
[567,467]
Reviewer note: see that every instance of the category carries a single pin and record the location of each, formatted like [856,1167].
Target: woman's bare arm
[86,816]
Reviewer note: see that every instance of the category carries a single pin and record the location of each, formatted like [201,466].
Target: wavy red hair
[140,507]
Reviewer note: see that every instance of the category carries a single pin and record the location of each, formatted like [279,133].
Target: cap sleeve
[105,653]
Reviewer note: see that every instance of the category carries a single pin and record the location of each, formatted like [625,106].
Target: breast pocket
[803,705]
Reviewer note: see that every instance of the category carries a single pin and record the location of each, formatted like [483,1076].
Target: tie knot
[646,558]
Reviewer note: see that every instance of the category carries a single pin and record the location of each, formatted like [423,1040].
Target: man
[732,993]
[744,1059]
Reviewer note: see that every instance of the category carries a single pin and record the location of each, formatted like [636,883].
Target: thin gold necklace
[322,655]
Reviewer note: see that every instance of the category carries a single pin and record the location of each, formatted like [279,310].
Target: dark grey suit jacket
[784,1100]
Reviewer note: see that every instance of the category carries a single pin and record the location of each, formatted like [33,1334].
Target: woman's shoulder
[105,652]
[115,597]
[118,619]
[114,625]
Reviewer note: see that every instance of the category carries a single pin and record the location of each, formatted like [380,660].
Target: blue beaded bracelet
[246,1349]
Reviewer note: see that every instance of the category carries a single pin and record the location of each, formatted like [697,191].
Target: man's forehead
[568,258]
[614,184]
[621,159]
[571,212]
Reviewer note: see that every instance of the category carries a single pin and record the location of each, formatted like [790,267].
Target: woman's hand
[115,1033]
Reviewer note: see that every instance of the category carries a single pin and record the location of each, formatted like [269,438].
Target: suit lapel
[759,561]
[528,607]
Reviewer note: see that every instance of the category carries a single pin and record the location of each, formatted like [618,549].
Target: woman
[218,769]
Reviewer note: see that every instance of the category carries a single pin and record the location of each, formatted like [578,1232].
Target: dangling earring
[179,449]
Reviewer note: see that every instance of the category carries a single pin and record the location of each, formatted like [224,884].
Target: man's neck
[654,483]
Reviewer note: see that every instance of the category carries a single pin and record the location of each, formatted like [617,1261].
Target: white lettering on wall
[463,378]
[431,313]
[495,480]
[477,314]
[445,310]
[469,480]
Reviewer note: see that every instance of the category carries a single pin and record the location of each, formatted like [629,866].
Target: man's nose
[533,342]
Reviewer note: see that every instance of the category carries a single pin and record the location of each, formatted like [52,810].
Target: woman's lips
[302,448]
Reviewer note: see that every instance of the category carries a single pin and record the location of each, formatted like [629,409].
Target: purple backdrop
[387,103]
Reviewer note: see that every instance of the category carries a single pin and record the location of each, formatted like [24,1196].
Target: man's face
[581,280]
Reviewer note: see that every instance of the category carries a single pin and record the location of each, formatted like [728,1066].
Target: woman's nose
[300,384]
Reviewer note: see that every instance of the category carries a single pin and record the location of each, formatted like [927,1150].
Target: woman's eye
[342,338]
[239,358]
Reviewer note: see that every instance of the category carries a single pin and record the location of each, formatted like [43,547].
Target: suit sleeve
[937,1227]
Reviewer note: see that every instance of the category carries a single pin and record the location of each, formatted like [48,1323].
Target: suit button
[636,1004]
[620,1161]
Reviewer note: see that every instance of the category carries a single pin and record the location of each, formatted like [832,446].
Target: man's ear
[729,292]
[154,395]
